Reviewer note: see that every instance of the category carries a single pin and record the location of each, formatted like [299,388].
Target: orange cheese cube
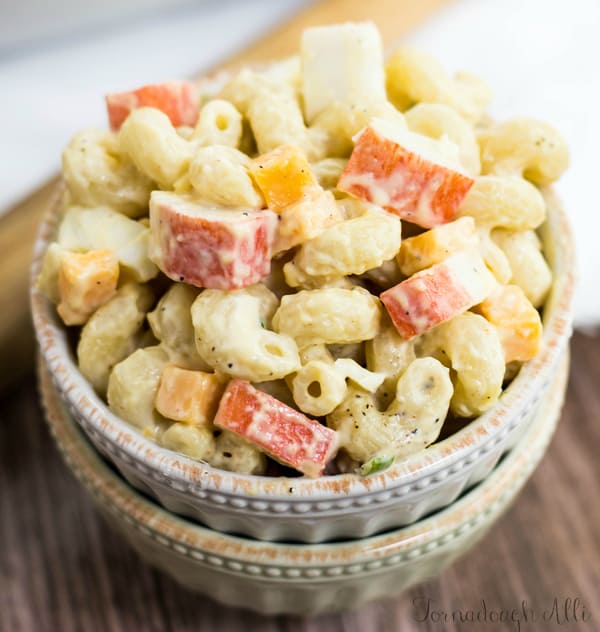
[306,219]
[435,245]
[437,294]
[175,98]
[517,321]
[283,176]
[85,282]
[407,174]
[282,432]
[191,397]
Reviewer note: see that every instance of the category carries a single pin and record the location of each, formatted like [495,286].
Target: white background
[58,59]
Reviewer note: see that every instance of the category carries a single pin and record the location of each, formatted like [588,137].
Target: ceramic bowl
[301,578]
[316,510]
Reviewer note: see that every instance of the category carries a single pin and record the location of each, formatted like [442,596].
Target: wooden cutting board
[18,227]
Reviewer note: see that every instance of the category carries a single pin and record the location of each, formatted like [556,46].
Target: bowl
[331,507]
[275,578]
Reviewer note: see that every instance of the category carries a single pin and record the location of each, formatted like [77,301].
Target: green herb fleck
[376,464]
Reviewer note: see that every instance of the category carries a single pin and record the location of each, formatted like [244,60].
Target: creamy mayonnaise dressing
[366,379]
[469,271]
[440,151]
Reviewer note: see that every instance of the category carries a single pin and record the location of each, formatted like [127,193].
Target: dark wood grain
[63,570]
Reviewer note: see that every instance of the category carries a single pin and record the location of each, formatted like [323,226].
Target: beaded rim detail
[370,555]
[197,482]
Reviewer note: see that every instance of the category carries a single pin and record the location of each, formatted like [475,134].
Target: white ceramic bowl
[301,578]
[316,510]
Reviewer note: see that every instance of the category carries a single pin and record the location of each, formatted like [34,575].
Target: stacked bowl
[354,538]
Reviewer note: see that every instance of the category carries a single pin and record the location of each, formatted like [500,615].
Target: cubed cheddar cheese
[437,244]
[191,397]
[209,247]
[283,176]
[416,177]
[437,294]
[175,98]
[290,189]
[306,219]
[86,281]
[517,321]
[285,434]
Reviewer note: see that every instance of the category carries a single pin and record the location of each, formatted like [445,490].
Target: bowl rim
[415,473]
[184,537]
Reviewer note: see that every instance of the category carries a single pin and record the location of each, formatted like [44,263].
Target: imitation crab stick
[209,247]
[417,178]
[175,98]
[282,432]
[437,294]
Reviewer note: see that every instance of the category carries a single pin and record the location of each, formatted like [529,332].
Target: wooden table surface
[63,570]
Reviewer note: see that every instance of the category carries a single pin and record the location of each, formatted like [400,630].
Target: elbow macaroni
[472,347]
[329,315]
[171,323]
[97,173]
[524,147]
[197,442]
[276,119]
[436,120]
[235,455]
[333,129]
[132,387]
[231,338]
[529,269]
[410,423]
[110,334]
[153,145]
[219,123]
[328,171]
[350,247]
[502,202]
[318,387]
[414,76]
[252,206]
[219,174]
[390,354]
[321,384]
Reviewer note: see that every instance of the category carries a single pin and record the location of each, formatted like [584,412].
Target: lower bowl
[274,578]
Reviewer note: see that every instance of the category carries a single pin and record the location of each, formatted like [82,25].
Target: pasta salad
[310,267]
